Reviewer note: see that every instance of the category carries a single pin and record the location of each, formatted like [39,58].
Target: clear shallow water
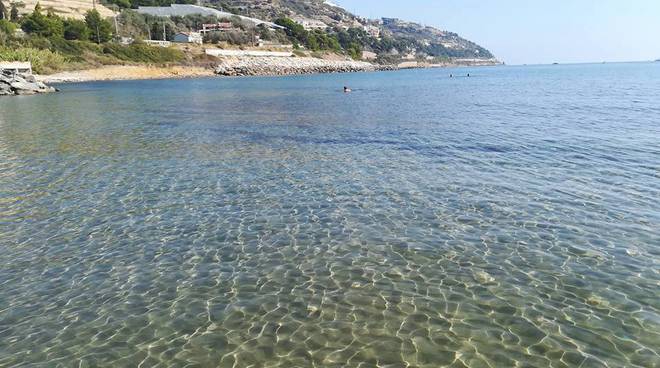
[508,219]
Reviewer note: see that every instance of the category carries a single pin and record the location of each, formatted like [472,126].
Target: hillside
[64,8]
[271,9]
[388,40]
[401,38]
[304,28]
[432,40]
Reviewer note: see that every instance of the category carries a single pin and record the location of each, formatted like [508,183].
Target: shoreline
[227,67]
[126,72]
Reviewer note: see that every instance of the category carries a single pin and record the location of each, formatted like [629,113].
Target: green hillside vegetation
[53,44]
[398,38]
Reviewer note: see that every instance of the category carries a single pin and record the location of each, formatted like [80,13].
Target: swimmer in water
[347,90]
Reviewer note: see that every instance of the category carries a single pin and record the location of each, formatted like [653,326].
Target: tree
[355,51]
[161,29]
[293,29]
[76,30]
[101,29]
[264,32]
[133,24]
[3,11]
[49,25]
[121,3]
[13,14]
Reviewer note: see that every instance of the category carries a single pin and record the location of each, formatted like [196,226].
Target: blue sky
[537,31]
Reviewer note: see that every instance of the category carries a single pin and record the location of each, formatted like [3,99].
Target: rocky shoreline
[264,66]
[227,66]
[15,84]
[128,72]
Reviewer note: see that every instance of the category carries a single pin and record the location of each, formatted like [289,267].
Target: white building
[309,24]
[188,37]
[158,43]
[373,31]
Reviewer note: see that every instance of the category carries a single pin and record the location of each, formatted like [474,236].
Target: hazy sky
[537,31]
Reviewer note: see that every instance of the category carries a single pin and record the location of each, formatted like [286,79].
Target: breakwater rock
[21,84]
[288,66]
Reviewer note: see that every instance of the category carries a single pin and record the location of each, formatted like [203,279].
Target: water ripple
[506,220]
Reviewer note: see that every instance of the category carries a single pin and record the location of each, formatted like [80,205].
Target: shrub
[74,50]
[41,43]
[7,27]
[354,51]
[232,38]
[6,31]
[43,61]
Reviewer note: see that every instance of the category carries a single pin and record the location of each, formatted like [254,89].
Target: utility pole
[164,33]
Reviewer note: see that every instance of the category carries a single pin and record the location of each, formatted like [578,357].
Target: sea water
[506,219]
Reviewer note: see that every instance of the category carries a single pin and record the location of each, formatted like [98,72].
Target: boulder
[20,84]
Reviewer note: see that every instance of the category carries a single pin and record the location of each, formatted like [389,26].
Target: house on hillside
[373,31]
[188,37]
[309,24]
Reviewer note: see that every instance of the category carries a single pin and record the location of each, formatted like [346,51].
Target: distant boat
[555,63]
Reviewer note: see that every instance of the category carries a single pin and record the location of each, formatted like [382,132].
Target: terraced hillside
[64,8]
